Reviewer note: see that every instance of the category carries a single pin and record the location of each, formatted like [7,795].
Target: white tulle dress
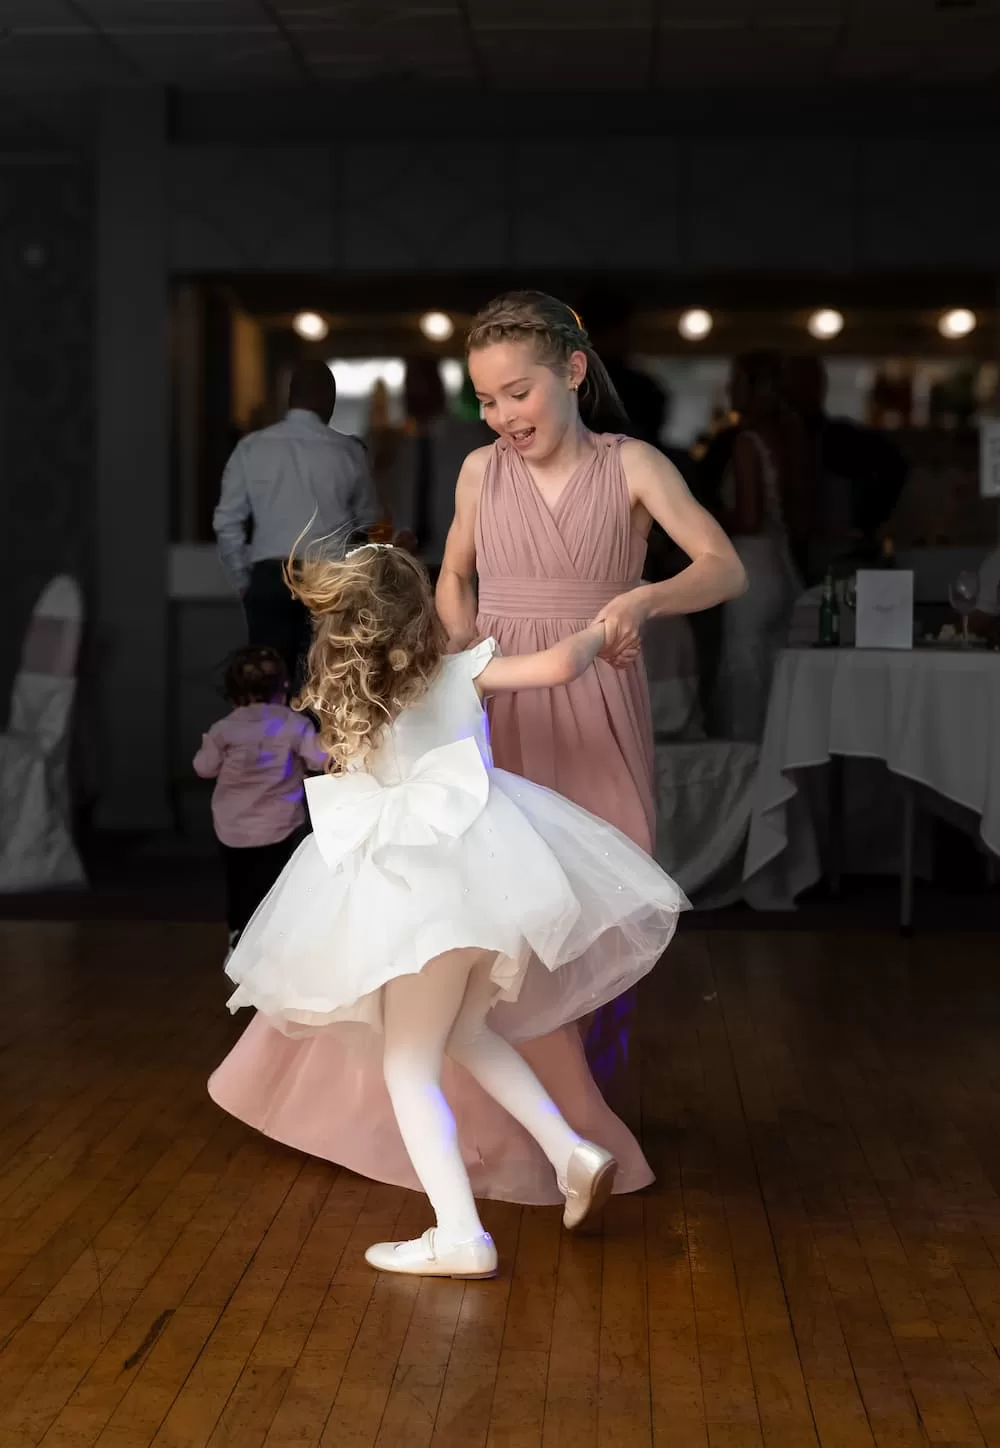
[430,849]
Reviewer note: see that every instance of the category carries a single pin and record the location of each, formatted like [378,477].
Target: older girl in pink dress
[554,519]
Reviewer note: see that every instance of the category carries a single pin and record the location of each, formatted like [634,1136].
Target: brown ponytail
[558,333]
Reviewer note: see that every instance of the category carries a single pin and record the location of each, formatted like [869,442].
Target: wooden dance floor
[819,1262]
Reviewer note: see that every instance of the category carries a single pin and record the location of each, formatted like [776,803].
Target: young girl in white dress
[440,901]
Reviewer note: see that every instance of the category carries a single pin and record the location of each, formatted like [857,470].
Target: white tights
[444,1009]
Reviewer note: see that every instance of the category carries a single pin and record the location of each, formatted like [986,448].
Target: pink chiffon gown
[542,576]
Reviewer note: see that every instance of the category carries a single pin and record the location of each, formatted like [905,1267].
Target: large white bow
[447,790]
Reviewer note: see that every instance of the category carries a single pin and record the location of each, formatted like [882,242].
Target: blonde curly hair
[376,647]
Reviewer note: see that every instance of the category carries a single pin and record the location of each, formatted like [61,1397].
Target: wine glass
[851,591]
[963,596]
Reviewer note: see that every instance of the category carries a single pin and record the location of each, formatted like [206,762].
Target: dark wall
[46,388]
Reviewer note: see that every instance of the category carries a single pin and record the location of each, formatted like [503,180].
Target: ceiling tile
[704,14]
[525,45]
[926,51]
[596,60]
[364,13]
[175,15]
[56,62]
[741,15]
[799,16]
[530,16]
[217,60]
[415,39]
[914,12]
[38,15]
[434,51]
[783,56]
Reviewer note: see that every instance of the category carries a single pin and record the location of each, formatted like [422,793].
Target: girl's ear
[577,370]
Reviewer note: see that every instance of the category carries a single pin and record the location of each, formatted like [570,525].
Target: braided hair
[557,332]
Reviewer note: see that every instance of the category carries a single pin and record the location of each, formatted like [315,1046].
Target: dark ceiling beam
[368,113]
[353,293]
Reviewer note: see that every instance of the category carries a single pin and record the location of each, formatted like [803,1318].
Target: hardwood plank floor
[817,1264]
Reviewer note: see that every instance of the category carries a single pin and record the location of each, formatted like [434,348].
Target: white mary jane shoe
[424,1257]
[590,1180]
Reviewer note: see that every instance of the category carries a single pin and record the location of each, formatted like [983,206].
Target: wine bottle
[829,614]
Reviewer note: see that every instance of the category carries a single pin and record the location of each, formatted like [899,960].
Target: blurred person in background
[609,318]
[860,471]
[767,502]
[258,756]
[382,440]
[296,481]
[418,487]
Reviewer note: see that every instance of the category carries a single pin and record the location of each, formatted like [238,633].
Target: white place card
[989,458]
[884,617]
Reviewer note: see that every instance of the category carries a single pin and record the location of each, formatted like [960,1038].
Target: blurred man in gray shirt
[295,476]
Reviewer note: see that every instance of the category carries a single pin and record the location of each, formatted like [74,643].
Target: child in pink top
[258,756]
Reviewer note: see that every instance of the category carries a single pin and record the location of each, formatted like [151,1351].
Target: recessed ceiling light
[956,323]
[695,325]
[825,324]
[437,326]
[311,326]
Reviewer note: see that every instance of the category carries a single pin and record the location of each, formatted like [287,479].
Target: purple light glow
[608,1036]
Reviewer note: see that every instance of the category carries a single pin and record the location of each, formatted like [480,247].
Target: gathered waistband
[559,598]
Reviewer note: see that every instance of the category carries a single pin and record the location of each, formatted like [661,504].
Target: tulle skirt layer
[572,911]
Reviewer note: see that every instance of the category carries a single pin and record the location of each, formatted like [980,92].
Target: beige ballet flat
[590,1180]
[423,1258]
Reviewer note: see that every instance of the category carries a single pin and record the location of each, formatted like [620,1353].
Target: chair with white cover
[36,842]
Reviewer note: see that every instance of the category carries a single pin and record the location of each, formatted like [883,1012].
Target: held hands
[623,619]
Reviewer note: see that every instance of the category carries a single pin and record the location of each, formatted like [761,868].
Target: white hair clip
[362,546]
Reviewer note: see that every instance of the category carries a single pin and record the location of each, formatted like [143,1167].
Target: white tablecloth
[932,715]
